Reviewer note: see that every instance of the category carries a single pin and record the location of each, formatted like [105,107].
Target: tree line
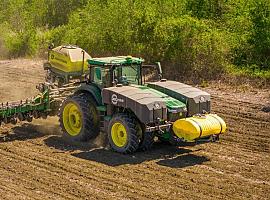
[199,38]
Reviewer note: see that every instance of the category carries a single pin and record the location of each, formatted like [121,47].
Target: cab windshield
[122,74]
[127,74]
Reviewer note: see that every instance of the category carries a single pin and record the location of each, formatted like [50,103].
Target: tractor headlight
[175,114]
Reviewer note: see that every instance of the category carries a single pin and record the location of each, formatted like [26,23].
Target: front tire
[147,141]
[79,119]
[122,134]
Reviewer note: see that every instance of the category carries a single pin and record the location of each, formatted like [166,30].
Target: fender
[93,89]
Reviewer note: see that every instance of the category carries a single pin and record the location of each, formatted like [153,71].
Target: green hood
[148,104]
[173,105]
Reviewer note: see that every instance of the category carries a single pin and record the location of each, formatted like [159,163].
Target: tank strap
[199,127]
[220,123]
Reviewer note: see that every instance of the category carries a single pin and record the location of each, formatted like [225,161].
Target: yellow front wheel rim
[119,134]
[72,119]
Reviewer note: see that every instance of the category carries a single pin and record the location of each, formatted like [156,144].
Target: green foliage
[22,43]
[58,12]
[260,36]
[209,9]
[199,38]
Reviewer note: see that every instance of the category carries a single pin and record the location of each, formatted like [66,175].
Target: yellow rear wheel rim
[72,119]
[119,134]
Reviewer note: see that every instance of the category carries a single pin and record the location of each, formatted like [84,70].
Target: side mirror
[159,68]
[51,46]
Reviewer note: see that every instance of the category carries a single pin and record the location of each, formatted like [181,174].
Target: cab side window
[102,76]
[97,75]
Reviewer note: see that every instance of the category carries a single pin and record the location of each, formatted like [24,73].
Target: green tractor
[120,97]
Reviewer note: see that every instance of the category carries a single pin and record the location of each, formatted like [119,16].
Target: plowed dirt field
[36,163]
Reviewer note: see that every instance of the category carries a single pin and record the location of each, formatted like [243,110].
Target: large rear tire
[79,118]
[122,134]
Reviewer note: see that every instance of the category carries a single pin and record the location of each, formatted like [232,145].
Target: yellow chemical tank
[196,127]
[68,59]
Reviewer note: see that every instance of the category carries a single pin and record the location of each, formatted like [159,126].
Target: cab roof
[117,60]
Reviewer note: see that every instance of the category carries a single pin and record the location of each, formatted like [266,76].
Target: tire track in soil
[12,191]
[37,156]
[28,180]
[159,170]
[45,171]
[107,172]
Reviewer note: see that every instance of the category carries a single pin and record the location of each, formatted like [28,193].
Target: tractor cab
[120,70]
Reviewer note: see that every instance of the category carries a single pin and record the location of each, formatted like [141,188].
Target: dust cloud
[49,126]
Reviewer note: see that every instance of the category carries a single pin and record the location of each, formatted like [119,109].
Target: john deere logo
[157,105]
[202,99]
[115,99]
